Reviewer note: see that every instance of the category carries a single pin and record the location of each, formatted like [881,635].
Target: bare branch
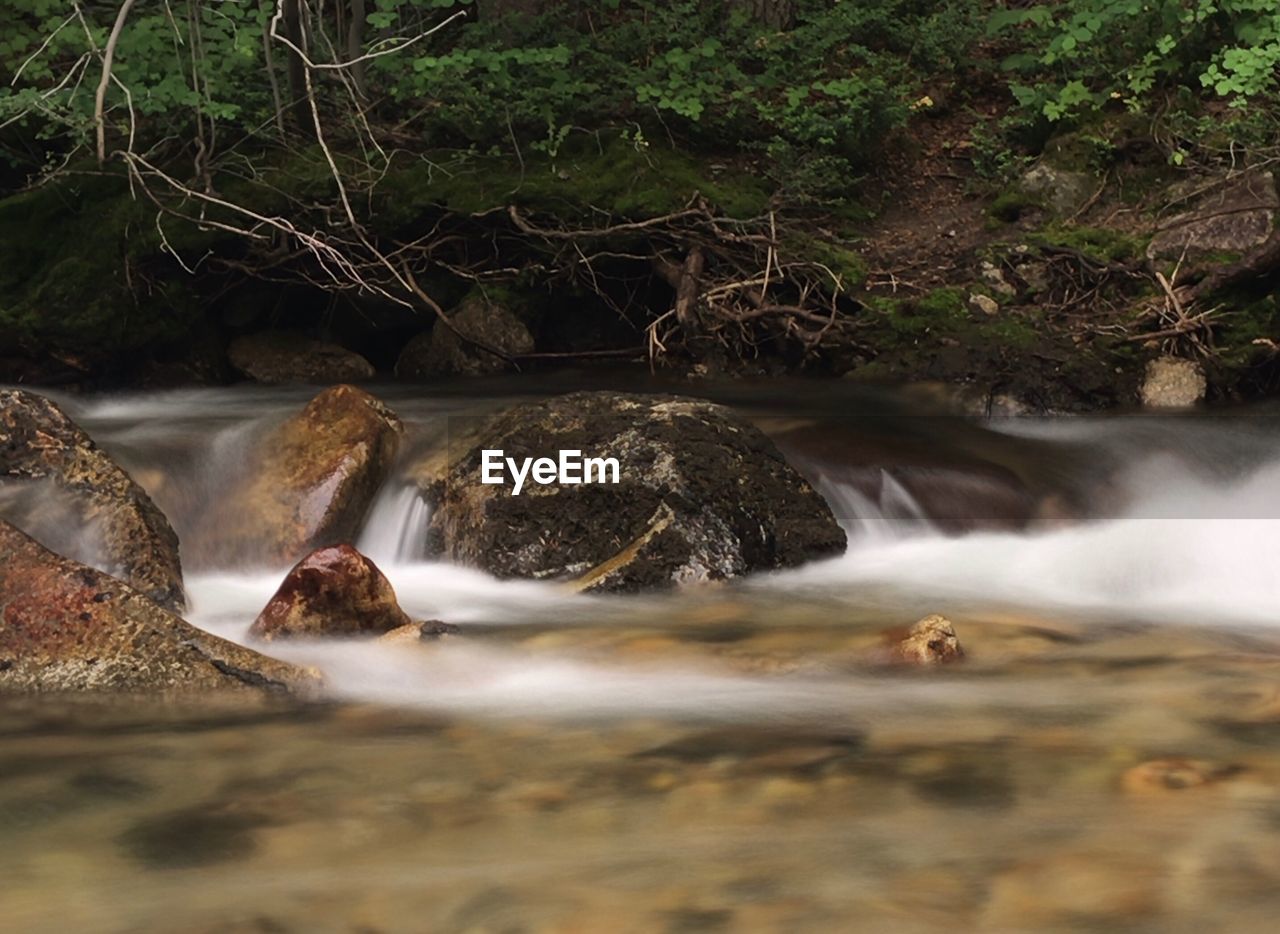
[99,100]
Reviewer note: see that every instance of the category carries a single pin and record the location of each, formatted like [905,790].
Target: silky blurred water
[1106,758]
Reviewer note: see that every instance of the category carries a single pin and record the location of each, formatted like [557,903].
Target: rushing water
[1106,758]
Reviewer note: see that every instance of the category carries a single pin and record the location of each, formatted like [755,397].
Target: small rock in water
[1172,382]
[334,591]
[932,641]
[1159,776]
[429,631]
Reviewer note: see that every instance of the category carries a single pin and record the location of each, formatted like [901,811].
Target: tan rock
[1163,776]
[1172,382]
[931,641]
[67,627]
[308,483]
[128,535]
[984,304]
[1074,888]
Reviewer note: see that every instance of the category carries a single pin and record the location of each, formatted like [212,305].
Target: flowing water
[1106,758]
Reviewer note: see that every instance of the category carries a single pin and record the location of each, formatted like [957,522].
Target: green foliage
[1077,56]
[50,63]
[809,103]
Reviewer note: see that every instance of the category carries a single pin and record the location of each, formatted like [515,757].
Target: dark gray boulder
[702,496]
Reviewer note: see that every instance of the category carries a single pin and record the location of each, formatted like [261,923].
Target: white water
[396,526]
[1196,541]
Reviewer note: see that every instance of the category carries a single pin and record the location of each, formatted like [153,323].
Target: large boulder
[334,591]
[702,495]
[68,627]
[88,507]
[277,357]
[309,482]
[1061,190]
[443,352]
[1231,216]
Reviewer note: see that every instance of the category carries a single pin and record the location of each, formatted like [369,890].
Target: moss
[613,177]
[84,273]
[946,302]
[1102,242]
[1081,151]
[844,262]
[1245,320]
[1010,206]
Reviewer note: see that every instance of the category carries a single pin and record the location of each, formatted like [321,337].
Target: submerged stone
[931,641]
[127,535]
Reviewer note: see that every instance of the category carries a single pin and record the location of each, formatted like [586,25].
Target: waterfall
[395,532]
[886,513]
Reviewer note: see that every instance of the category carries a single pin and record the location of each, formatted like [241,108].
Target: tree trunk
[776,14]
[298,108]
[355,45]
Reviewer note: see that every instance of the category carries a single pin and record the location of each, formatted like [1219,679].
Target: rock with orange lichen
[68,627]
[309,483]
[334,591]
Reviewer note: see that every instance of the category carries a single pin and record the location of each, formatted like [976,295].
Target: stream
[1107,756]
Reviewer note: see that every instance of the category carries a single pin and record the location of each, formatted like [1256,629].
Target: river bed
[1107,757]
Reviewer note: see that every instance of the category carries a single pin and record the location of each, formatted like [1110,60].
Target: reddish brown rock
[67,627]
[334,591]
[127,535]
[308,484]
